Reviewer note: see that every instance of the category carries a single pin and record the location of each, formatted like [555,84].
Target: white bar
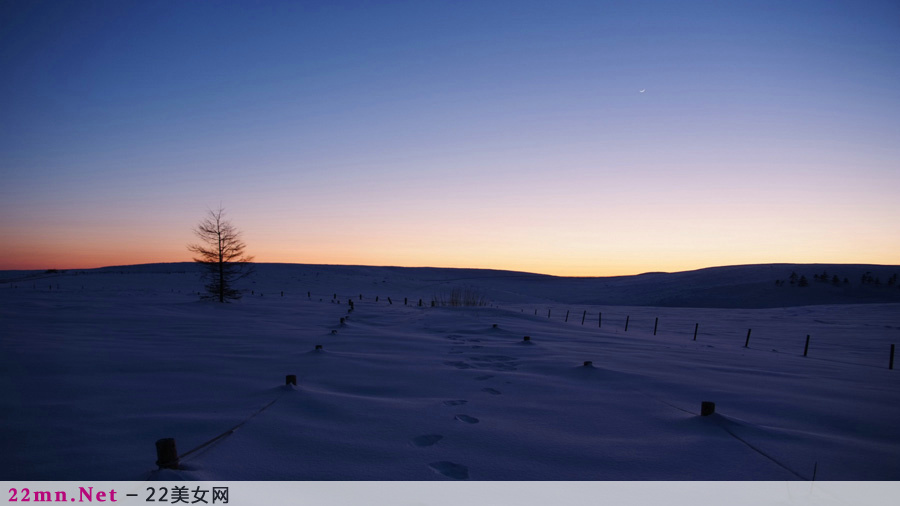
[469,493]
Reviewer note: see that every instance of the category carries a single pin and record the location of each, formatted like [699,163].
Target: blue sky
[474,134]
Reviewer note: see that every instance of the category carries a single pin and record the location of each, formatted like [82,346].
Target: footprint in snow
[458,365]
[427,439]
[491,391]
[455,402]
[484,377]
[466,418]
[495,362]
[450,469]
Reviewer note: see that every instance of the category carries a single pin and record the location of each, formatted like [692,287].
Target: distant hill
[742,286]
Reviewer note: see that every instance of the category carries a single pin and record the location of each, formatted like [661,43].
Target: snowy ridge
[744,286]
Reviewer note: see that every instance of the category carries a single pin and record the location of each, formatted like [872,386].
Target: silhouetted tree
[221,251]
[793,277]
[803,281]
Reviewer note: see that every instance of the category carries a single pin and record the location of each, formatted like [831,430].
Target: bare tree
[221,251]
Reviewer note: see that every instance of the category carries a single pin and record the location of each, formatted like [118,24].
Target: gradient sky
[508,135]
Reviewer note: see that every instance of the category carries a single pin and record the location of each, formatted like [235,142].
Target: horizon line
[112,266]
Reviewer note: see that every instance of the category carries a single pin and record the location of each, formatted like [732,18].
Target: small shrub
[461,297]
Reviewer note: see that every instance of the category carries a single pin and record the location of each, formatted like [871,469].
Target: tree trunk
[221,273]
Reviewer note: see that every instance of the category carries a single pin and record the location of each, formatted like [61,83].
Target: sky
[569,138]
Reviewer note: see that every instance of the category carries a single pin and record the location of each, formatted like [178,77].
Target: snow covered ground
[96,366]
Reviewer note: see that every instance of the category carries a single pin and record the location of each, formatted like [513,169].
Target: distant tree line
[800,280]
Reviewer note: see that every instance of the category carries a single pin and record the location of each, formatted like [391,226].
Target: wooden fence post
[696,326]
[626,322]
[166,454]
[747,343]
[806,348]
[655,324]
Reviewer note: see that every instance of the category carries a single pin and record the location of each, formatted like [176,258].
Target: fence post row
[583,319]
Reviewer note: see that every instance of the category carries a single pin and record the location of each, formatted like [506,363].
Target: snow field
[93,377]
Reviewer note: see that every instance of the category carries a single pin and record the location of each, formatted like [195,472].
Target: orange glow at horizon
[462,222]
[617,251]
